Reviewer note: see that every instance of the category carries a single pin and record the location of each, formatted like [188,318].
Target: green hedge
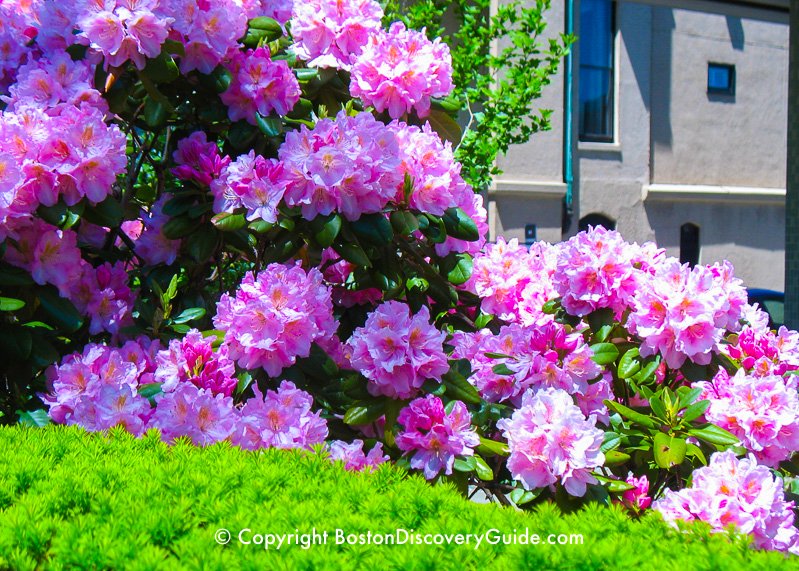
[69,500]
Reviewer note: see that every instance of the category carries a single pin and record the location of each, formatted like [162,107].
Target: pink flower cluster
[16,31]
[537,358]
[259,85]
[123,30]
[97,389]
[45,82]
[279,10]
[329,34]
[207,29]
[729,491]
[435,437]
[763,352]
[637,499]
[349,164]
[52,257]
[436,175]
[275,317]
[598,269]
[198,159]
[67,152]
[397,350]
[401,70]
[193,360]
[682,313]
[251,182]
[280,419]
[353,456]
[550,440]
[762,411]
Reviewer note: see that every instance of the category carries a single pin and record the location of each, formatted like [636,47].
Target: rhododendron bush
[238,221]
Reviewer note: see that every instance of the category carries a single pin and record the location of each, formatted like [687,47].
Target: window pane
[596,70]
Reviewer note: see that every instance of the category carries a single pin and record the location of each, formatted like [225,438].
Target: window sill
[591,147]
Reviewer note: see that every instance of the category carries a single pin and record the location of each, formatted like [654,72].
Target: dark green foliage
[74,501]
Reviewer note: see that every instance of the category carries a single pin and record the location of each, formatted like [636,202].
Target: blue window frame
[597,74]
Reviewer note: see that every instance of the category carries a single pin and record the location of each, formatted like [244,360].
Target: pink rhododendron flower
[198,160]
[280,419]
[275,317]
[729,491]
[536,358]
[430,164]
[123,30]
[108,298]
[251,182]
[762,411]
[208,30]
[598,269]
[683,313]
[260,85]
[638,498]
[499,275]
[353,456]
[763,352]
[397,351]
[328,33]
[400,70]
[193,360]
[197,413]
[15,23]
[97,388]
[349,164]
[550,440]
[435,437]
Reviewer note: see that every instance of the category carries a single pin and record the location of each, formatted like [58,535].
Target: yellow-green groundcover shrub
[71,500]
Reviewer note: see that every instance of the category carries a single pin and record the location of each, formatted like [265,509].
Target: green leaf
[466,464]
[228,222]
[714,435]
[688,395]
[179,205]
[241,134]
[647,372]
[15,277]
[600,318]
[551,308]
[156,113]
[695,410]
[694,451]
[352,253]
[191,314]
[161,69]
[61,310]
[458,268]
[261,30]
[260,226]
[107,213]
[149,390]
[483,470]
[459,388]
[177,228]
[669,450]
[271,126]
[11,304]
[365,413]
[326,229]
[520,496]
[493,447]
[615,457]
[34,418]
[202,244]
[629,364]
[373,228]
[630,414]
[459,225]
[657,406]
[443,124]
[404,223]
[604,353]
[610,441]
[502,369]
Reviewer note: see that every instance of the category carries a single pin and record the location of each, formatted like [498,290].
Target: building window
[720,79]
[596,38]
[689,244]
[594,219]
